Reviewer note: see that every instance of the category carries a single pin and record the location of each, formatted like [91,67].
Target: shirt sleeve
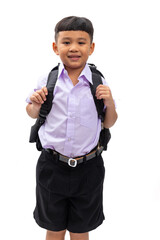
[42,81]
[105,82]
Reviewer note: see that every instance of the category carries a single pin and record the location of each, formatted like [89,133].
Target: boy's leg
[55,235]
[79,236]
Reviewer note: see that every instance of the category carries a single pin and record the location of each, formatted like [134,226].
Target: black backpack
[47,105]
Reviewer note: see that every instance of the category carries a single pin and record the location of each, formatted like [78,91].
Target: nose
[73,47]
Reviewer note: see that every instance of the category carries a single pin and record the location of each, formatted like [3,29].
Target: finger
[38,97]
[33,99]
[45,90]
[101,86]
[103,96]
[41,94]
[104,93]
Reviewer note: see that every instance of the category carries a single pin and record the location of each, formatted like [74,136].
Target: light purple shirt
[72,127]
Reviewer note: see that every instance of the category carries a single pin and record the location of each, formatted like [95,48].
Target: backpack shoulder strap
[94,69]
[45,108]
[51,82]
[105,134]
[97,79]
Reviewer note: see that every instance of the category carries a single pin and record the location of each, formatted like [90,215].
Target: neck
[74,73]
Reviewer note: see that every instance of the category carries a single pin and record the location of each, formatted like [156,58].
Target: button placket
[70,124]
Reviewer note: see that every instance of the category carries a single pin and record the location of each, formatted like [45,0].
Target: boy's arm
[37,99]
[110,117]
[104,92]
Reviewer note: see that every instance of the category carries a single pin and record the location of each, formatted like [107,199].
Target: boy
[71,198]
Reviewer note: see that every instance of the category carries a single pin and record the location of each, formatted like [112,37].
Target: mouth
[74,57]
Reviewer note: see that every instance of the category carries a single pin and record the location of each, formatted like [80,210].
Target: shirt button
[69,139]
[70,115]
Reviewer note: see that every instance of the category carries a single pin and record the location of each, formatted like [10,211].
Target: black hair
[74,23]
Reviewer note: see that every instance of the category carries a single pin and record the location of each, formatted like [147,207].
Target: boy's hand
[37,99]
[39,96]
[104,92]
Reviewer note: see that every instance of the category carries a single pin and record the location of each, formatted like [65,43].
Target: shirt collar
[86,72]
[61,69]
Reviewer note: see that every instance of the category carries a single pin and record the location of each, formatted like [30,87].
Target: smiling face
[74,48]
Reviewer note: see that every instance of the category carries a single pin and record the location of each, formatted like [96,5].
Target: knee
[51,235]
[79,236]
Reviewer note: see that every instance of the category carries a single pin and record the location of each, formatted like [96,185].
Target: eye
[81,43]
[66,43]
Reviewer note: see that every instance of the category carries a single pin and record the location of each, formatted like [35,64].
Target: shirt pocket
[88,113]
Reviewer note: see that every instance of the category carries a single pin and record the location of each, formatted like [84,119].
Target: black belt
[72,162]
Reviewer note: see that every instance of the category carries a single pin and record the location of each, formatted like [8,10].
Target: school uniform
[70,197]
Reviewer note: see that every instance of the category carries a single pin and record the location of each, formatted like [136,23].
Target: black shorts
[69,198]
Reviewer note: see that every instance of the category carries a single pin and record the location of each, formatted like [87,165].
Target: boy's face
[74,48]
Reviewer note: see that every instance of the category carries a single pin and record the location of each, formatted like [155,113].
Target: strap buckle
[72,162]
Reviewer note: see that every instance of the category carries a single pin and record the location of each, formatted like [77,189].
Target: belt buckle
[72,162]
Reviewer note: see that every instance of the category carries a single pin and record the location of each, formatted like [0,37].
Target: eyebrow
[68,38]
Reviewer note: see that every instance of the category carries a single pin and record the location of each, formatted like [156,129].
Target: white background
[127,37]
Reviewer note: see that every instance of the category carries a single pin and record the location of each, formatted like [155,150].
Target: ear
[55,48]
[92,48]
